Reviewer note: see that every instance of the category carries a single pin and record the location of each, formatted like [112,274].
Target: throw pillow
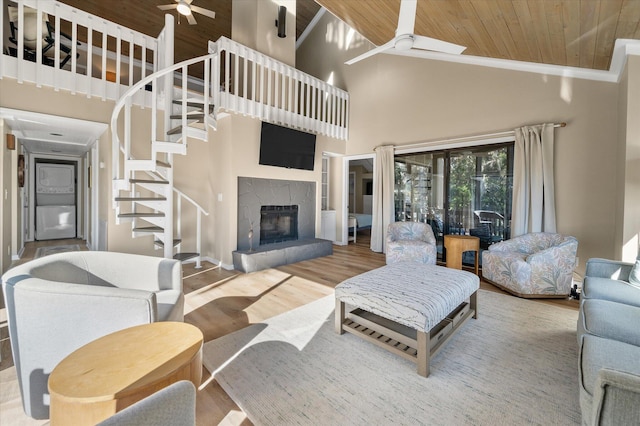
[634,275]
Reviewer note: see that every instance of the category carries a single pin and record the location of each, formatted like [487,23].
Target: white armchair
[411,241]
[539,264]
[58,303]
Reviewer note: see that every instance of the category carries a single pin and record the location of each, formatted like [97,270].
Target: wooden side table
[119,369]
[458,244]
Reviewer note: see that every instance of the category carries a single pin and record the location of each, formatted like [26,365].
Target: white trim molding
[623,48]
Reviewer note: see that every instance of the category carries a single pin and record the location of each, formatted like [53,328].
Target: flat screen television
[284,147]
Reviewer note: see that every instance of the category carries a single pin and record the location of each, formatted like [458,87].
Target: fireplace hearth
[293,238]
[278,224]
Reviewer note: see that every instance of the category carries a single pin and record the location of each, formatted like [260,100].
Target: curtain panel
[533,208]
[383,192]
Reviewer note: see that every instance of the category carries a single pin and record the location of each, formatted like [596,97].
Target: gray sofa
[609,345]
[58,303]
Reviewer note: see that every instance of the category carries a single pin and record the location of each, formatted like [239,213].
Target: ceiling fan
[184,7]
[406,40]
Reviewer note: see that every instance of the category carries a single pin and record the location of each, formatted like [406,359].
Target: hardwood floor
[220,302]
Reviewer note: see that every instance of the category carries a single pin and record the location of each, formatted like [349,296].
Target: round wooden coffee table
[119,369]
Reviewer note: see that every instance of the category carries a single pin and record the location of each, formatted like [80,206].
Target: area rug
[46,251]
[516,364]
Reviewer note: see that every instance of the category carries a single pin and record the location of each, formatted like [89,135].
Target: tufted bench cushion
[413,294]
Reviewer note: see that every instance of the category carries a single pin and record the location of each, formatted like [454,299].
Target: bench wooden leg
[339,316]
[424,353]
[474,304]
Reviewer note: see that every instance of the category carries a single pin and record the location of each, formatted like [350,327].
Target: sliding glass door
[462,191]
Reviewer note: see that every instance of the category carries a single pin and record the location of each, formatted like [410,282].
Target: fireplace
[281,212]
[278,224]
[254,193]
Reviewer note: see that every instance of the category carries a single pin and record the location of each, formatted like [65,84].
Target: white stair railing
[259,86]
[200,211]
[121,150]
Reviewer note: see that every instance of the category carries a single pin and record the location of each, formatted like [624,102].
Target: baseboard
[217,263]
[18,256]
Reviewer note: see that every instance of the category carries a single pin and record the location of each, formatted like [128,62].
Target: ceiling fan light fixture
[183,8]
[404,42]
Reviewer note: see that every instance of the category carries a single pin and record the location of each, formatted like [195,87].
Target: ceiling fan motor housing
[403,42]
[183,8]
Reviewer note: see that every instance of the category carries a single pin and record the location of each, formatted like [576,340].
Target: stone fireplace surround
[253,193]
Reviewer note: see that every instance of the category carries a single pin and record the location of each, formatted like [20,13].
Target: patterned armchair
[410,241]
[532,265]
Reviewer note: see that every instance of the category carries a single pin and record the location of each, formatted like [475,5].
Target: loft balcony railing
[103,58]
[254,84]
[106,59]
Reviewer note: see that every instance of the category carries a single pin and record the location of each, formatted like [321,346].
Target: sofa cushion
[634,275]
[610,320]
[612,290]
[597,353]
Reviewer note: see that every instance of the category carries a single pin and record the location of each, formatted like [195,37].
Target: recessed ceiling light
[55,134]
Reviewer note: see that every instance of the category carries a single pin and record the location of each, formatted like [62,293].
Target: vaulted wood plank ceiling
[578,33]
[190,40]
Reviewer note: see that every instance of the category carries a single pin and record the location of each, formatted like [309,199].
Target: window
[459,191]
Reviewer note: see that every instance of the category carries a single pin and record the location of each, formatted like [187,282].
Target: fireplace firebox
[278,224]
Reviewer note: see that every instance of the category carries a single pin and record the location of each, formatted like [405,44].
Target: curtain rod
[469,138]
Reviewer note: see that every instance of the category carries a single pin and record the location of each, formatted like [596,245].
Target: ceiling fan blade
[388,45]
[191,19]
[428,43]
[211,14]
[167,6]
[407,17]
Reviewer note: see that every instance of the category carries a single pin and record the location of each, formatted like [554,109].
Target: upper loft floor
[51,44]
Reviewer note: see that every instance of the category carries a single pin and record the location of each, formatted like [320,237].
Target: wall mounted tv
[284,147]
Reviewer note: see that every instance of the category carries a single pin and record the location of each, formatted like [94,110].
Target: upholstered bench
[409,308]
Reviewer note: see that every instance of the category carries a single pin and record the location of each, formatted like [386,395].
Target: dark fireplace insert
[278,224]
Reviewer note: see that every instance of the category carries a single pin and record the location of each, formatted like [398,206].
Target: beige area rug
[516,364]
[46,251]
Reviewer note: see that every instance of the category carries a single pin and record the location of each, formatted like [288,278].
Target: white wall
[210,171]
[628,214]
[253,25]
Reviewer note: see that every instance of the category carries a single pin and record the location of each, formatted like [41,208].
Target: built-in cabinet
[328,225]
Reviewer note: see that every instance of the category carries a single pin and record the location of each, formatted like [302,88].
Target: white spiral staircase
[236,80]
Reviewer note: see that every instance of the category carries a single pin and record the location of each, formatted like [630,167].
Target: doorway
[56,139]
[358,199]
